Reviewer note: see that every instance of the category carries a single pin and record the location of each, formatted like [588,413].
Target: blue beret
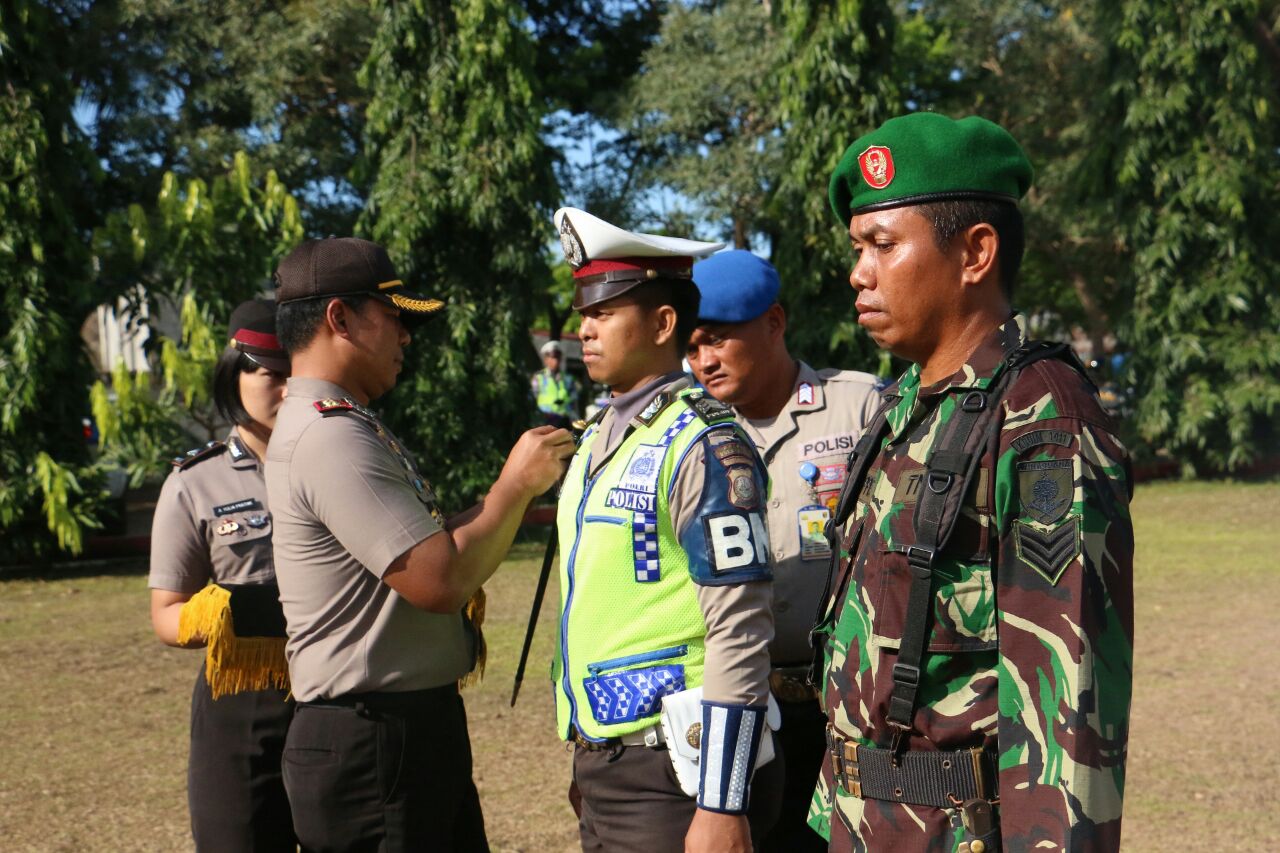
[735,286]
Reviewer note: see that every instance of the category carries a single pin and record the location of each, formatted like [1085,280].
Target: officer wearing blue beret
[803,422]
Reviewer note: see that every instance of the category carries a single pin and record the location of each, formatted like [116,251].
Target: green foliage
[182,85]
[836,81]
[461,201]
[1187,154]
[142,426]
[67,516]
[206,247]
[188,369]
[220,241]
[1033,70]
[704,114]
[46,485]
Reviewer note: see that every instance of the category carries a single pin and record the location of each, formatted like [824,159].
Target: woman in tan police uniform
[213,584]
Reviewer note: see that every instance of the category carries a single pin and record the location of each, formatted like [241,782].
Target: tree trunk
[1097,323]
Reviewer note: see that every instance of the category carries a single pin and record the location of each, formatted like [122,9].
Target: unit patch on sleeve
[1045,489]
[1035,438]
[730,451]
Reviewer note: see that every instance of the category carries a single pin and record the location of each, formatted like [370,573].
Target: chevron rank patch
[1048,551]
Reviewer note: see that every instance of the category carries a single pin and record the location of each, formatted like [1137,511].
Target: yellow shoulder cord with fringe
[474,613]
[232,664]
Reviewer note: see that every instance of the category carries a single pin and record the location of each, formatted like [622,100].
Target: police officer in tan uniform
[210,546]
[379,590]
[804,422]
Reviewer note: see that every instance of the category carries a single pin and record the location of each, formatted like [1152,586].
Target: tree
[180,86]
[704,115]
[218,240]
[203,246]
[1033,69]
[588,52]
[835,82]
[462,201]
[1185,148]
[48,493]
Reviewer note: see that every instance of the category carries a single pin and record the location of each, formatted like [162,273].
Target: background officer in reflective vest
[554,388]
[979,644]
[664,573]
[803,422]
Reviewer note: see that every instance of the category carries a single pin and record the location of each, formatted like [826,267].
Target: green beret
[924,157]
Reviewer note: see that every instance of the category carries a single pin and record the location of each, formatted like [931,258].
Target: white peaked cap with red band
[608,261]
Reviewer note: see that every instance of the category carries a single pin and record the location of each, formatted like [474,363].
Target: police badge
[571,244]
[742,488]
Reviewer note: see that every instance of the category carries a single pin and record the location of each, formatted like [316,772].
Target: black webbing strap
[925,778]
[948,473]
[864,452]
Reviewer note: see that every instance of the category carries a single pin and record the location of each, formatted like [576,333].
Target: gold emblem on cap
[386,285]
[694,735]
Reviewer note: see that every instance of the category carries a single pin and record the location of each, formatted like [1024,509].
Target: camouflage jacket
[1031,645]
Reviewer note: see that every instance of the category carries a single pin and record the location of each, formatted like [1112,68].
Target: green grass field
[93,719]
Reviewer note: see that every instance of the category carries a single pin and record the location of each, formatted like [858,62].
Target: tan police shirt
[347,501]
[738,617]
[822,420]
[211,522]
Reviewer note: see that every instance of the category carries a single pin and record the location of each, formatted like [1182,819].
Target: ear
[664,325]
[979,246]
[775,321]
[336,314]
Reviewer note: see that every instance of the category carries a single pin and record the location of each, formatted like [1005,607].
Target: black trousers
[803,743]
[384,772]
[632,802]
[234,787]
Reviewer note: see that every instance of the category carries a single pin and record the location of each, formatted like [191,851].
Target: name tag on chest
[236,506]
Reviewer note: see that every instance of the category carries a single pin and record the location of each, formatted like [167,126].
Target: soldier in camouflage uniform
[1011,728]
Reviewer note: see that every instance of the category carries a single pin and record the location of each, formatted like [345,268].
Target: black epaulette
[709,409]
[198,454]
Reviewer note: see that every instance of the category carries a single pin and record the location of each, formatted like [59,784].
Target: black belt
[391,702]
[924,778]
